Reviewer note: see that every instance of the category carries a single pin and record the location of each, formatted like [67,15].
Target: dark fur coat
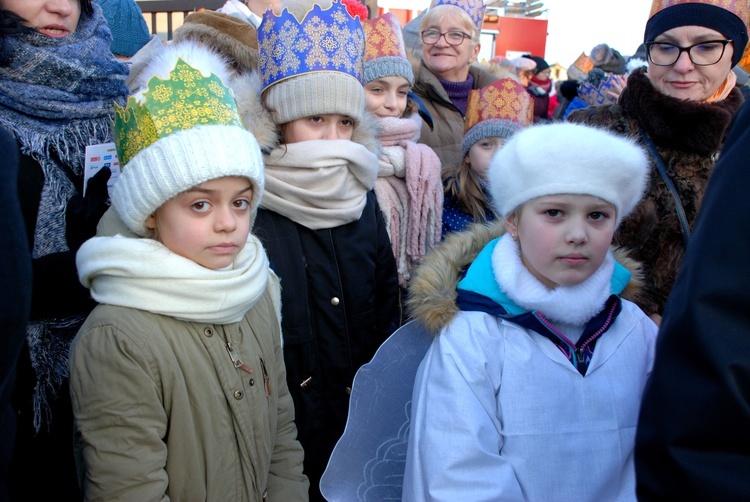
[688,135]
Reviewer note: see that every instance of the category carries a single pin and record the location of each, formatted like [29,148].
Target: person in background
[250,11]
[540,86]
[525,68]
[409,188]
[680,109]
[15,275]
[445,75]
[60,82]
[493,115]
[177,377]
[531,387]
[692,441]
[319,219]
[129,29]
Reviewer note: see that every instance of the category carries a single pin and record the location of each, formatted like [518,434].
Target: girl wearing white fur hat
[177,378]
[531,387]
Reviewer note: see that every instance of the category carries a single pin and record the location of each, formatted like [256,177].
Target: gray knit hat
[385,52]
[313,66]
[497,110]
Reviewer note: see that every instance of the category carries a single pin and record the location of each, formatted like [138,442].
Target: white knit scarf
[144,274]
[319,183]
[574,305]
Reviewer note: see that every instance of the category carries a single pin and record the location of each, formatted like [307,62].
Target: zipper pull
[236,361]
[266,379]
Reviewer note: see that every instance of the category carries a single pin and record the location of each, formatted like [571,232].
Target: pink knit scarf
[410,192]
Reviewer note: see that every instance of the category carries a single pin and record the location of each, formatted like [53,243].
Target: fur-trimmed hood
[432,289]
[232,37]
[255,117]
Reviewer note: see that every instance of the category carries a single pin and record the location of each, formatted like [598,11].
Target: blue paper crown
[474,8]
[325,40]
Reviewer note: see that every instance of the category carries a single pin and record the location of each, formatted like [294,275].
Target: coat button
[209,332]
[251,382]
[348,391]
[335,301]
[238,394]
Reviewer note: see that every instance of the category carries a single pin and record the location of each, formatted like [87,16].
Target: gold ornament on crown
[741,8]
[185,100]
[504,99]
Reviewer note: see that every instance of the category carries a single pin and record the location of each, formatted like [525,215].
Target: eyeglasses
[431,37]
[701,54]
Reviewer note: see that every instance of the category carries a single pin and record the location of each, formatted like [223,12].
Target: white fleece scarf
[319,183]
[144,274]
[574,305]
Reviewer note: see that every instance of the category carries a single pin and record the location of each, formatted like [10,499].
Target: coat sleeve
[388,302]
[693,441]
[120,418]
[455,444]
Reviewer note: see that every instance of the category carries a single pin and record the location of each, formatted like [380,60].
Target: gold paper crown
[185,100]
[741,8]
[504,99]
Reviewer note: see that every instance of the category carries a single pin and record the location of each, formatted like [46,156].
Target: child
[319,219]
[531,389]
[177,377]
[493,114]
[409,188]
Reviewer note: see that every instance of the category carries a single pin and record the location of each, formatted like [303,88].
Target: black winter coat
[340,301]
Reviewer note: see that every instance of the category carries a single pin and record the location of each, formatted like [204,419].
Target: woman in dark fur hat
[680,108]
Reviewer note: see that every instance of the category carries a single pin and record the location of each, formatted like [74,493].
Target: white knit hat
[566,158]
[182,129]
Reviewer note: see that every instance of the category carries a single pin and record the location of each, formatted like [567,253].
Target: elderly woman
[450,44]
[59,84]
[679,108]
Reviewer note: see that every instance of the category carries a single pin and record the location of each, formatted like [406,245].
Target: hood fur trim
[255,117]
[432,289]
[237,40]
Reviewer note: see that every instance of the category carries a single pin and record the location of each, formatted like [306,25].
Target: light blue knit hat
[128,27]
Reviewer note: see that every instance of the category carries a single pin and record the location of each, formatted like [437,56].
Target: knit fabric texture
[385,52]
[128,27]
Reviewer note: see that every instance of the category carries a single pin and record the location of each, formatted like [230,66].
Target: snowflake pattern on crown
[383,37]
[740,8]
[325,40]
[185,100]
[504,99]
[474,8]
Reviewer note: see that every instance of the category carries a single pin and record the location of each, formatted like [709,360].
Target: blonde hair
[443,12]
[464,186]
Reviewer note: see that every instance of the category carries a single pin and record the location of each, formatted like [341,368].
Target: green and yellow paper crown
[185,100]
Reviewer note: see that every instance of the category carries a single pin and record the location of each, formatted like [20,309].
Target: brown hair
[464,186]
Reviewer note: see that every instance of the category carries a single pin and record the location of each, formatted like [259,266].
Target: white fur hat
[566,158]
[180,130]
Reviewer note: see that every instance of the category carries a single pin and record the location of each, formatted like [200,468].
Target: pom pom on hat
[128,27]
[566,158]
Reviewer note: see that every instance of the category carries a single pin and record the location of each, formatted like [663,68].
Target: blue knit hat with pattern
[128,27]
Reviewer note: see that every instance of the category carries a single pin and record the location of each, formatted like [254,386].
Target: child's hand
[83,213]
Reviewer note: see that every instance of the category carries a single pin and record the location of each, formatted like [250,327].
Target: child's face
[328,126]
[386,96]
[207,224]
[563,238]
[480,154]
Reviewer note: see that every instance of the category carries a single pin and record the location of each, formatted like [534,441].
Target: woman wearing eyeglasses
[679,108]
[450,43]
